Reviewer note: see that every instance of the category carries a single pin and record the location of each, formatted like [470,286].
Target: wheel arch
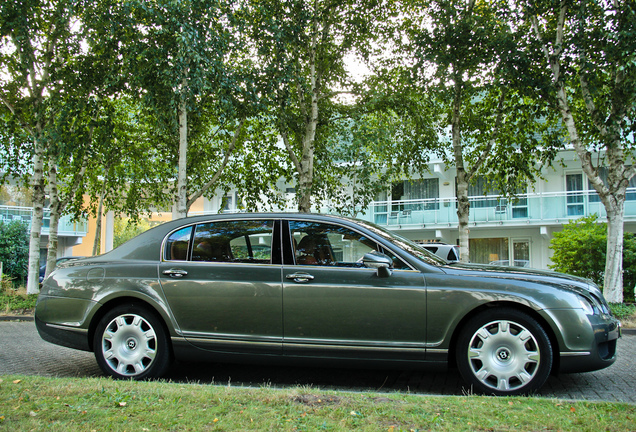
[452,352]
[119,301]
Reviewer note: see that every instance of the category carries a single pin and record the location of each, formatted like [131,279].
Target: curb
[16,318]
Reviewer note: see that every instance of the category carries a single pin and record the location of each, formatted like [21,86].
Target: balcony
[67,227]
[535,209]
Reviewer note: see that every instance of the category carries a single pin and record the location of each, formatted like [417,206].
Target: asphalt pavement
[23,352]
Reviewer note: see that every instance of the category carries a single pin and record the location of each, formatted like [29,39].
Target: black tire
[130,343]
[503,351]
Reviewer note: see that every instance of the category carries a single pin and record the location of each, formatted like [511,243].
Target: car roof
[147,245]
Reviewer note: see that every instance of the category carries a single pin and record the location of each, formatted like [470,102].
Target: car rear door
[222,280]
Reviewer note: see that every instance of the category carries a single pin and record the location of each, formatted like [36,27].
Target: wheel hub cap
[504,355]
[129,345]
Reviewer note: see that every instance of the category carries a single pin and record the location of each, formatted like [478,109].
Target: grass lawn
[98,404]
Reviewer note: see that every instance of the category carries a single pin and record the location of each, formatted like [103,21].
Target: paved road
[23,352]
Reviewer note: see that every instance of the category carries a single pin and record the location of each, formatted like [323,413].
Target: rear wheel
[504,352]
[130,342]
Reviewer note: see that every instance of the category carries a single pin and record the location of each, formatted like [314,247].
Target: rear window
[223,241]
[178,245]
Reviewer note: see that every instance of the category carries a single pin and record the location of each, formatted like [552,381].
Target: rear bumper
[70,337]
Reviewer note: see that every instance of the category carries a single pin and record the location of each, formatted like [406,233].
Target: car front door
[335,307]
[222,281]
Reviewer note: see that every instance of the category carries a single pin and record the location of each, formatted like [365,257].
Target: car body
[515,263]
[307,287]
[449,253]
[57,262]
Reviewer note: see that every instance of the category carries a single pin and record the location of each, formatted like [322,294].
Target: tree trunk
[463,205]
[37,182]
[180,209]
[463,213]
[613,283]
[54,221]
[98,224]
[306,175]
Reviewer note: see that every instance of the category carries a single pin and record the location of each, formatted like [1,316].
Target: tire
[130,342]
[503,352]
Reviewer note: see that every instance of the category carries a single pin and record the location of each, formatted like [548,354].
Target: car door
[222,281]
[333,306]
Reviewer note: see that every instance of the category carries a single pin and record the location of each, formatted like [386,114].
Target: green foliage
[15,300]
[622,311]
[126,229]
[14,249]
[580,248]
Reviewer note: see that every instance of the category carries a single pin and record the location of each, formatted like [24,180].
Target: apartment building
[502,231]
[15,205]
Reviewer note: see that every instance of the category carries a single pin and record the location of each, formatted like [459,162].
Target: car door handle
[175,273]
[300,277]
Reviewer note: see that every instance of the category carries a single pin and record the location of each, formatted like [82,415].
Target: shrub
[14,249]
[580,248]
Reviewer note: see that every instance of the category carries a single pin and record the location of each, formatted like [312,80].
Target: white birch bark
[180,209]
[612,194]
[54,218]
[37,183]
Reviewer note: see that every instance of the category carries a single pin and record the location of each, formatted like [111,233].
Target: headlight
[587,305]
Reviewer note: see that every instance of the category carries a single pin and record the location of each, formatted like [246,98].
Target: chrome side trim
[575,354]
[225,337]
[436,351]
[68,327]
[235,343]
[325,343]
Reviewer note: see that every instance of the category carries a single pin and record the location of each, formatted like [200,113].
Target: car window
[234,241]
[178,245]
[328,245]
[452,256]
[332,245]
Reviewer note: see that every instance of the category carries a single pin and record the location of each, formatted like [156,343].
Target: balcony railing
[541,208]
[67,227]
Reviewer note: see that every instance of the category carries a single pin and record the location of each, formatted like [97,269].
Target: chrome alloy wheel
[129,345]
[504,355]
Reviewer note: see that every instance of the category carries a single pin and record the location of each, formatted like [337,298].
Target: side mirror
[380,262]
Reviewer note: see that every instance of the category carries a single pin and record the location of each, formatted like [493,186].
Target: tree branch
[498,121]
[219,171]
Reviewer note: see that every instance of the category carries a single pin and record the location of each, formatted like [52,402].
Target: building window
[478,190]
[489,251]
[602,172]
[575,195]
[410,190]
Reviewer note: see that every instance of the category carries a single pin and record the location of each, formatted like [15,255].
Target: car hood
[544,277]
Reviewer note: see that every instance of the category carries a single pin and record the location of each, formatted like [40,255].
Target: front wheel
[504,352]
[130,342]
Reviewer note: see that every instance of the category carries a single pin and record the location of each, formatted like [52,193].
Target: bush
[14,249]
[580,248]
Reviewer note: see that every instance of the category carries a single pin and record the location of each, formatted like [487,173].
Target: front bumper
[601,353]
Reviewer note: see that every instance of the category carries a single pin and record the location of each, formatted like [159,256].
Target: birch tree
[465,61]
[182,59]
[303,45]
[38,39]
[586,51]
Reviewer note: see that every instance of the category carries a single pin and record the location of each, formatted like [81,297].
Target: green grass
[97,404]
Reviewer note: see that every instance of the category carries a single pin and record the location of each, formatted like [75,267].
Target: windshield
[402,242]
